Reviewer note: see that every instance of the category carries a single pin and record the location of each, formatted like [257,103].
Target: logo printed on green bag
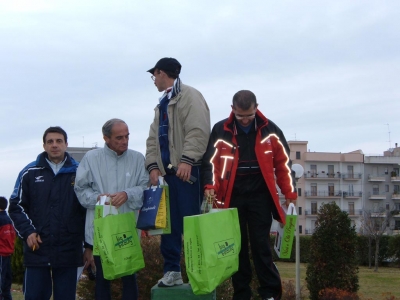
[225,248]
[289,232]
[123,240]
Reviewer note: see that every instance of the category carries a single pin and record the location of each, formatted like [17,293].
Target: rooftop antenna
[390,142]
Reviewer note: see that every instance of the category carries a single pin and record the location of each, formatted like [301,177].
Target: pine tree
[333,261]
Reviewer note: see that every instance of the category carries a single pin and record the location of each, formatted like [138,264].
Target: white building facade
[352,180]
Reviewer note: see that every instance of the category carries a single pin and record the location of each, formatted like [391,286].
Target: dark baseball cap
[167,64]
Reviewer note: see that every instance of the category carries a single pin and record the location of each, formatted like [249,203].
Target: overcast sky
[326,72]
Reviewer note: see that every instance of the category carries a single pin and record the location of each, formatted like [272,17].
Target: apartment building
[327,177]
[352,180]
[78,153]
[382,185]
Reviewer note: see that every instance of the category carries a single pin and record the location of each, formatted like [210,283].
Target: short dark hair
[171,75]
[244,99]
[107,127]
[55,129]
[3,203]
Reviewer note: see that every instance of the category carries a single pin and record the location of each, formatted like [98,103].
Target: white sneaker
[171,278]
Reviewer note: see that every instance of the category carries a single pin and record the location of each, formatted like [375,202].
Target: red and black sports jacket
[221,160]
[7,235]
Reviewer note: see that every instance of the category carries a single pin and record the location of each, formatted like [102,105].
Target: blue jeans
[6,277]
[40,282]
[103,289]
[185,200]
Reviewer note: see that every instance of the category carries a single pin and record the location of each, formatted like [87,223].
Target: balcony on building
[311,212]
[395,179]
[323,194]
[376,178]
[352,195]
[396,196]
[377,196]
[309,231]
[322,175]
[353,212]
[351,176]
[378,214]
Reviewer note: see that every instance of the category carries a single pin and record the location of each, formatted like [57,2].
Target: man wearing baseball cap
[178,136]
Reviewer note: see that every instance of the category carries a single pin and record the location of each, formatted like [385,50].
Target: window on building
[397,205]
[299,192]
[299,211]
[331,171]
[350,171]
[314,189]
[298,156]
[397,225]
[387,206]
[313,169]
[331,189]
[375,189]
[313,208]
[386,171]
[351,190]
[300,229]
[386,188]
[396,171]
[375,207]
[375,171]
[351,208]
[396,189]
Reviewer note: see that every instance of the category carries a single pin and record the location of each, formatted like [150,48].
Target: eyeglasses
[153,77]
[249,117]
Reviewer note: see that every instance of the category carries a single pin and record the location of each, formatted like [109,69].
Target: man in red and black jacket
[247,156]
[7,239]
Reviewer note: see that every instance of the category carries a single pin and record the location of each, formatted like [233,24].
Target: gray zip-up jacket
[188,132]
[102,171]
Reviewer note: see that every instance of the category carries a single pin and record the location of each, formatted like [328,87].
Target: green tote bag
[212,246]
[119,246]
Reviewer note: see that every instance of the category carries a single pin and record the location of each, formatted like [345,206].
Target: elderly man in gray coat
[119,173]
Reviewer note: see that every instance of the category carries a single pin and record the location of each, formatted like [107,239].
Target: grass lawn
[373,285]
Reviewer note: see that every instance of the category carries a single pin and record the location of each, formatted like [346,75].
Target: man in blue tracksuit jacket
[50,220]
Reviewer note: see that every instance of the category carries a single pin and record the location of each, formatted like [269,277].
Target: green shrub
[17,262]
[333,262]
[394,249]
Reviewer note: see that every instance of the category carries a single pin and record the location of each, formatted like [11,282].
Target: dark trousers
[41,282]
[255,224]
[6,277]
[185,200]
[103,289]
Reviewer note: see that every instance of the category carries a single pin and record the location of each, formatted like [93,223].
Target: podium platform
[177,292]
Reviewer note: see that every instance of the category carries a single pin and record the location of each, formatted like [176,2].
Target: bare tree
[374,224]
